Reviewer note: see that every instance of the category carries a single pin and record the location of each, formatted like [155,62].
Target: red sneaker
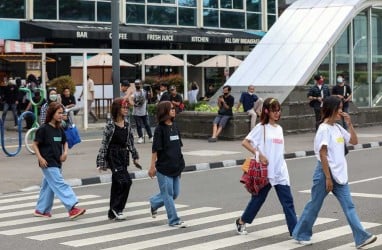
[75,212]
[39,214]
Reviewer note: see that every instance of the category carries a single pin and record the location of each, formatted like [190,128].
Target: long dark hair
[329,107]
[270,104]
[116,107]
[52,109]
[163,111]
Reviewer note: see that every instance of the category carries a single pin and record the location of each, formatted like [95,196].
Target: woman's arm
[325,167]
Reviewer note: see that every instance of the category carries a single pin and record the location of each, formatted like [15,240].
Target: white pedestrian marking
[32,204]
[256,235]
[139,232]
[15,199]
[210,153]
[317,237]
[68,223]
[192,235]
[364,195]
[98,228]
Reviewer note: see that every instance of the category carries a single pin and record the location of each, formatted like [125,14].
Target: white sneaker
[305,242]
[140,140]
[119,215]
[180,224]
[151,139]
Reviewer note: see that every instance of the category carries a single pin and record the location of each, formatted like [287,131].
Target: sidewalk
[22,173]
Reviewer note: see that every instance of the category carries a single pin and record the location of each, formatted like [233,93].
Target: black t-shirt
[68,100]
[120,136]
[50,143]
[229,100]
[167,143]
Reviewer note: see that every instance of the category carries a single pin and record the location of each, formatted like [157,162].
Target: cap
[172,87]
[125,83]
[137,81]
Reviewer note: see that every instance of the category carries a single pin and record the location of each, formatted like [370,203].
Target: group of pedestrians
[167,163]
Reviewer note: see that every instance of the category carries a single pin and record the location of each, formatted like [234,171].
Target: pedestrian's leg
[176,187]
[342,193]
[255,204]
[166,185]
[285,197]
[303,229]
[45,199]
[317,114]
[253,116]
[138,123]
[147,126]
[61,189]
[214,130]
[91,113]
[14,112]
[5,111]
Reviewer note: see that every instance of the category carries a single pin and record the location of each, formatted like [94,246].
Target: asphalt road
[209,202]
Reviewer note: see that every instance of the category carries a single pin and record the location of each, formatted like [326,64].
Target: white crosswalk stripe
[209,227]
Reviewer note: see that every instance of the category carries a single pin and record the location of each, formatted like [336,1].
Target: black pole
[115,47]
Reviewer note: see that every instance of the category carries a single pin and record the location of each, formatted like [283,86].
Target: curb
[106,178]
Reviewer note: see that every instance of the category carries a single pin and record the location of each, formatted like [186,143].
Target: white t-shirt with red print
[273,149]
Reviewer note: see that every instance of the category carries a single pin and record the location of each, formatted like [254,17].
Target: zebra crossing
[209,228]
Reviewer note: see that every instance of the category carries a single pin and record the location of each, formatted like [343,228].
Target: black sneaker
[240,228]
[154,212]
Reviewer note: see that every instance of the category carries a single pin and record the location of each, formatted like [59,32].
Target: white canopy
[220,61]
[103,60]
[163,60]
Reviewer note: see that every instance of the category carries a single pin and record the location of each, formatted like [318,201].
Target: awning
[24,58]
[18,47]
[32,30]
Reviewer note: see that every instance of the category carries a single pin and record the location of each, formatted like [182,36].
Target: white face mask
[53,97]
[340,80]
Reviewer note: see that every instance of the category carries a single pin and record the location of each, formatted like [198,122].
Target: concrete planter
[194,124]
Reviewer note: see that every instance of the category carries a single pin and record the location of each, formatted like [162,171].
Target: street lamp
[358,41]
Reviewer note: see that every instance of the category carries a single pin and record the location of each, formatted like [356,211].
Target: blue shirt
[248,100]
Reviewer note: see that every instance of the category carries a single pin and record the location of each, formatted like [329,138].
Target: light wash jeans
[53,184]
[169,191]
[303,229]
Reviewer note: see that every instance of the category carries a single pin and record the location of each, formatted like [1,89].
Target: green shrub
[62,82]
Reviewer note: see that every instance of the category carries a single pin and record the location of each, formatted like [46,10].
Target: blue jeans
[285,197]
[169,191]
[13,107]
[303,229]
[53,184]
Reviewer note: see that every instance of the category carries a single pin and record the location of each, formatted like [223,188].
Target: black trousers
[118,158]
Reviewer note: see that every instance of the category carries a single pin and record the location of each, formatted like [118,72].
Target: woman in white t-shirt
[271,150]
[331,174]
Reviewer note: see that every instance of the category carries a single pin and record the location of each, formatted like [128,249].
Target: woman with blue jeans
[267,139]
[331,174]
[167,163]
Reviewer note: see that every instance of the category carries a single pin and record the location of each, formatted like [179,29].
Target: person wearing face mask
[343,91]
[225,104]
[250,103]
[52,97]
[316,96]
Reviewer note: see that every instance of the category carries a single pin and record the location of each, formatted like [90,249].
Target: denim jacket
[107,136]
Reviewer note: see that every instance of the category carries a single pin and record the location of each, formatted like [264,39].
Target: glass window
[104,11]
[161,15]
[135,1]
[135,13]
[230,19]
[211,18]
[187,16]
[272,6]
[154,1]
[238,4]
[188,3]
[210,3]
[168,1]
[254,5]
[271,20]
[342,57]
[12,9]
[45,9]
[226,4]
[77,10]
[254,21]
[376,27]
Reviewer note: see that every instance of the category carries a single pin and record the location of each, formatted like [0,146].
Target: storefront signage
[159,37]
[200,39]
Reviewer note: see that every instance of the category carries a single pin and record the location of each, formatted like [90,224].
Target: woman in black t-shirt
[51,150]
[167,163]
[118,140]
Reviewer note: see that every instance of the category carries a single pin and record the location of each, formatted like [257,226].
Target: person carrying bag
[267,140]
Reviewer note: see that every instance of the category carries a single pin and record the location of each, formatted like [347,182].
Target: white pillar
[85,88]
[143,67]
[185,77]
[43,70]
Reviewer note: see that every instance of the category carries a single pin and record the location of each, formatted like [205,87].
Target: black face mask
[225,94]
